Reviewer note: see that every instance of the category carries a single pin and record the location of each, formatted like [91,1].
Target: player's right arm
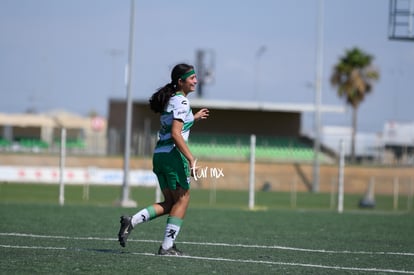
[176,128]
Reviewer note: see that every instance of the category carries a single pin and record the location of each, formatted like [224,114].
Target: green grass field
[219,235]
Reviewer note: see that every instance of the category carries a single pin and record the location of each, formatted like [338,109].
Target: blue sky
[59,54]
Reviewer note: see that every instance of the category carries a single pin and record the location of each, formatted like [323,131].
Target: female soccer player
[173,162]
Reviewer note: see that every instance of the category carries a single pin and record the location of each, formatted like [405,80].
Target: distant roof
[264,106]
[26,120]
[256,106]
[53,119]
[70,120]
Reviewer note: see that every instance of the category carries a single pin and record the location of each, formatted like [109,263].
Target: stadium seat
[238,147]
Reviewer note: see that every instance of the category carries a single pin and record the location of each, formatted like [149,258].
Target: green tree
[353,76]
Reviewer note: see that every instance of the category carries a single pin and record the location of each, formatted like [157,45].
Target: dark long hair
[160,98]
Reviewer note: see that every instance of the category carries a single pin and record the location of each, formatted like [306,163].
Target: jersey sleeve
[181,109]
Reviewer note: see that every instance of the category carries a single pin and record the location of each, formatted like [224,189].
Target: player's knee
[166,206]
[184,198]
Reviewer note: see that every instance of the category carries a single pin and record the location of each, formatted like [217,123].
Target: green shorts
[171,168]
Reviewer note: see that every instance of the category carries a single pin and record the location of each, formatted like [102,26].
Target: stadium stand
[238,147]
[42,132]
[33,144]
[4,143]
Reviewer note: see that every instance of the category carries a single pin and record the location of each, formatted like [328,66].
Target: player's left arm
[202,114]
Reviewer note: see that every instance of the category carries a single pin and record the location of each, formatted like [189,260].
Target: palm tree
[354,76]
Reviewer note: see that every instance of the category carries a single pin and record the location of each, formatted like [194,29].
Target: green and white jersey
[177,108]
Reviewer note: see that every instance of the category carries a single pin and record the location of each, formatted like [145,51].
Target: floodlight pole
[258,55]
[125,201]
[318,93]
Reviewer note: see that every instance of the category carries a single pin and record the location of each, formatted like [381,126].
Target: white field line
[219,259]
[289,264]
[218,244]
[33,247]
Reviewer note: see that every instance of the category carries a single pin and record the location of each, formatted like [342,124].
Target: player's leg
[146,214]
[175,221]
[157,209]
[179,188]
